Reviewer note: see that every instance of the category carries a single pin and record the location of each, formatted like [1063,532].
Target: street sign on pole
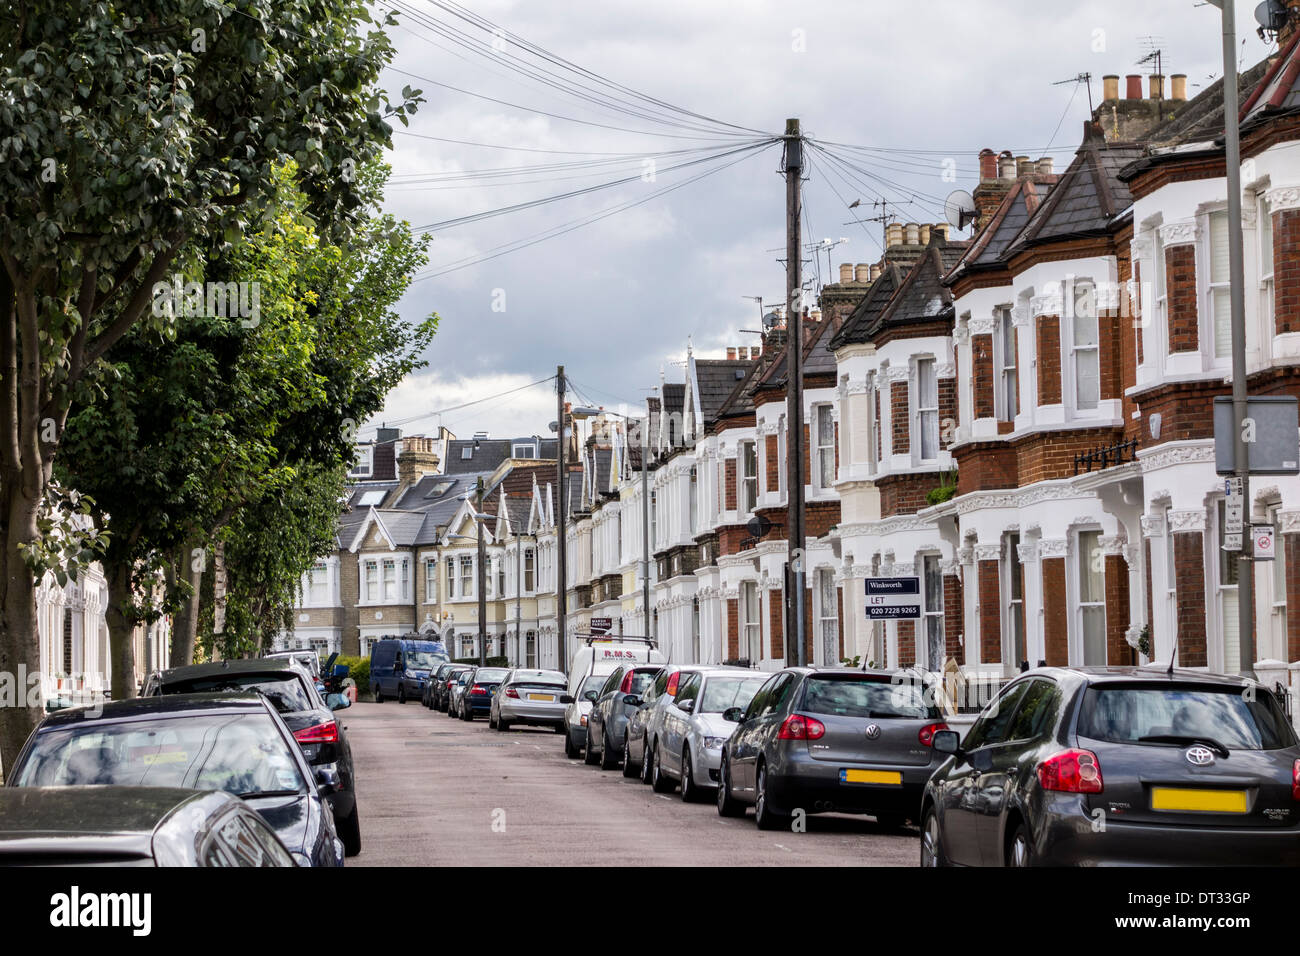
[1272,432]
[893,599]
[1233,509]
[602,625]
[1265,546]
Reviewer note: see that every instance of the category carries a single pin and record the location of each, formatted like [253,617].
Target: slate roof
[415,516]
[1087,195]
[867,313]
[818,359]
[487,453]
[674,404]
[923,297]
[1017,206]
[718,381]
[517,510]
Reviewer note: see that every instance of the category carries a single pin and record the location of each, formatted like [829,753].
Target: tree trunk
[121,630]
[19,636]
[185,624]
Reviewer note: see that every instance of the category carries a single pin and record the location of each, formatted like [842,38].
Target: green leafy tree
[129,131]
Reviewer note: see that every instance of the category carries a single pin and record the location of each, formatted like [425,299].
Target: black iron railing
[1106,456]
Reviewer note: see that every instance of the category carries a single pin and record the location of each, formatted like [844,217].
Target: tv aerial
[959,209]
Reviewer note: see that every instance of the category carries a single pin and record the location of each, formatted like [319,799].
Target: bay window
[1085,348]
[825,438]
[1092,599]
[748,465]
[1218,285]
[927,409]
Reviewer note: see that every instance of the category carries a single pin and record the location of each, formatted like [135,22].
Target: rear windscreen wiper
[1210,742]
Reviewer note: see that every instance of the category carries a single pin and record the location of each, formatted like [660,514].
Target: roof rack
[588,638]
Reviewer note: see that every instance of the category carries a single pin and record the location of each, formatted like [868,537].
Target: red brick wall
[981,353]
[1056,641]
[776,612]
[771,463]
[1117,611]
[1043,456]
[990,613]
[730,484]
[733,625]
[1049,359]
[1109,359]
[819,517]
[1180,290]
[1186,409]
[899,425]
[905,493]
[906,643]
[947,411]
[985,465]
[1286,271]
[1291,554]
[1189,578]
[953,610]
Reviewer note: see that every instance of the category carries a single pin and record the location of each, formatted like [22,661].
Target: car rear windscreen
[641,681]
[490,674]
[241,753]
[286,693]
[1126,714]
[858,697]
[721,693]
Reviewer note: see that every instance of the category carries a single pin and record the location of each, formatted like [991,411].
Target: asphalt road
[436,791]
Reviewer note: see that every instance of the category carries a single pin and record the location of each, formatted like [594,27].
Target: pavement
[436,791]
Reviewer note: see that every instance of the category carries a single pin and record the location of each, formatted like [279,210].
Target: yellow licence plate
[1209,801]
[550,697]
[871,776]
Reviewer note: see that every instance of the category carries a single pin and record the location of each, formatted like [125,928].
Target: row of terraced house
[1022,420]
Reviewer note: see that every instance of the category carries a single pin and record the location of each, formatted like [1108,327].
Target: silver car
[529,696]
[694,732]
[645,730]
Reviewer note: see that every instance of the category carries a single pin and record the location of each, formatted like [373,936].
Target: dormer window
[527,450]
[363,467]
[467,453]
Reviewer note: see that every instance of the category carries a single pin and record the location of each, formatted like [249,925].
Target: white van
[591,664]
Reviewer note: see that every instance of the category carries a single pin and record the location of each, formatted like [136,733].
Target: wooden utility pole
[561,503]
[482,576]
[794,631]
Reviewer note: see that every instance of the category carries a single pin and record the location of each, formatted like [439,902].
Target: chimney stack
[1006,165]
[1134,86]
[419,457]
[1178,87]
[1024,166]
[861,273]
[925,234]
[912,232]
[893,234]
[1045,166]
[1110,86]
[846,272]
[875,272]
[731,353]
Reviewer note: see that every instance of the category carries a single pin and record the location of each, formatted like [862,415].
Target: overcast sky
[617,300]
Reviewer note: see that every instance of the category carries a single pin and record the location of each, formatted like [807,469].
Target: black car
[440,689]
[436,680]
[831,739]
[476,699]
[607,723]
[133,826]
[231,742]
[323,739]
[1119,765]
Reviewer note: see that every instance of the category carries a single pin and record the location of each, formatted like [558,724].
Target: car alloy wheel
[660,782]
[1020,852]
[589,756]
[646,757]
[608,759]
[931,845]
[728,806]
[629,768]
[764,815]
[689,790]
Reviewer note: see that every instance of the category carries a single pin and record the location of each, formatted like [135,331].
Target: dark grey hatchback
[831,739]
[1118,766]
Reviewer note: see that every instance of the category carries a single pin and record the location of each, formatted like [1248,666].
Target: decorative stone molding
[1179,233]
[1164,456]
[947,370]
[1028,553]
[904,569]
[860,571]
[982,326]
[1140,247]
[950,567]
[1106,295]
[729,593]
[1051,302]
[965,555]
[895,373]
[859,387]
[961,334]
[1053,548]
[1132,555]
[1289,522]
[1112,544]
[1021,316]
[1187,520]
[1281,198]
[988,552]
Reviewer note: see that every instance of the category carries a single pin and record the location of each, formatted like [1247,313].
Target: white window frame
[1004,356]
[751,624]
[318,579]
[1264,235]
[746,484]
[824,445]
[1011,604]
[827,615]
[1212,289]
[430,580]
[530,571]
[363,465]
[1161,304]
[1075,351]
[528,449]
[1098,603]
[931,615]
[370,583]
[1219,569]
[924,411]
[468,576]
[873,460]
[1276,586]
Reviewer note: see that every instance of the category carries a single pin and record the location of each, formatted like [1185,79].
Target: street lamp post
[482,579]
[644,427]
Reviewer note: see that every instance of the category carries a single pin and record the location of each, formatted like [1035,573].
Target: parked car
[133,826]
[529,696]
[441,695]
[457,687]
[475,697]
[644,728]
[1131,765]
[308,659]
[231,742]
[611,711]
[591,664]
[399,667]
[694,731]
[437,679]
[831,739]
[322,737]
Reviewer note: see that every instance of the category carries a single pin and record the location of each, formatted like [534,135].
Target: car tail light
[1295,780]
[626,686]
[478,689]
[799,727]
[326,733]
[1072,771]
[672,683]
[511,692]
[926,736]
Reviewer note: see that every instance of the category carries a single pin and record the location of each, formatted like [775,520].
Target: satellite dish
[758,526]
[959,209]
[1271,15]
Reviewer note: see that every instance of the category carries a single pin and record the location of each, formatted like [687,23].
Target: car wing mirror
[632,700]
[733,714]
[947,742]
[686,706]
[591,695]
[566,698]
